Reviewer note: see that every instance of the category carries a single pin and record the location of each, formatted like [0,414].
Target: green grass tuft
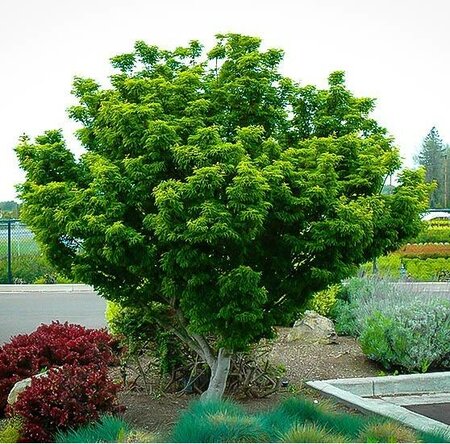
[294,420]
[387,432]
[310,433]
[107,429]
[10,429]
[217,421]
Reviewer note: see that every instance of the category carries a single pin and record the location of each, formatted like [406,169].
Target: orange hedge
[425,250]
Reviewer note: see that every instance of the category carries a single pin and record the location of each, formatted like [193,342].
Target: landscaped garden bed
[148,417]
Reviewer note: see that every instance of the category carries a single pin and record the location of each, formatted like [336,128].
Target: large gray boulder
[20,386]
[313,328]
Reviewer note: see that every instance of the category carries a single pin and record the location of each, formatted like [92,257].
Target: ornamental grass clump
[311,433]
[218,421]
[108,428]
[293,420]
[387,432]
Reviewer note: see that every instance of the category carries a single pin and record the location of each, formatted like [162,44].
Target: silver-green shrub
[400,328]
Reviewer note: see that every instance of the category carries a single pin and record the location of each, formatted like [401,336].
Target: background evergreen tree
[432,158]
[447,177]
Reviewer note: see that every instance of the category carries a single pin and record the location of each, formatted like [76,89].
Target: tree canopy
[215,193]
[434,157]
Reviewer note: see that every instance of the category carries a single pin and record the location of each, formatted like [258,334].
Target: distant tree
[9,209]
[432,158]
[447,177]
[388,189]
[215,194]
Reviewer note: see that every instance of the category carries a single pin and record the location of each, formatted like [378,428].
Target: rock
[313,328]
[20,386]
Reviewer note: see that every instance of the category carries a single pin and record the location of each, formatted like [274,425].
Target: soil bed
[302,362]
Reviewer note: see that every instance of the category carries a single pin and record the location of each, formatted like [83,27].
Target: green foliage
[29,269]
[433,156]
[138,333]
[400,328]
[106,429]
[374,341]
[293,420]
[428,269]
[418,269]
[345,322]
[442,222]
[311,433]
[215,194]
[433,234]
[218,422]
[387,432]
[414,336]
[10,429]
[9,209]
[323,301]
[348,304]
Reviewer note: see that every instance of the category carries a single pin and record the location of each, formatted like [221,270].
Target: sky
[397,51]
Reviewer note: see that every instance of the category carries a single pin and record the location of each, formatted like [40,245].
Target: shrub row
[76,388]
[417,269]
[439,222]
[425,251]
[401,329]
[433,234]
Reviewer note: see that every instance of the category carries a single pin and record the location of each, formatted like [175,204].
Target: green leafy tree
[215,194]
[432,157]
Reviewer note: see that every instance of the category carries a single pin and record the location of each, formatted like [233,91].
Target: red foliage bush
[52,345]
[67,397]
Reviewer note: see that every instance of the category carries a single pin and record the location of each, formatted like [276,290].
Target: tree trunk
[219,376]
[374,265]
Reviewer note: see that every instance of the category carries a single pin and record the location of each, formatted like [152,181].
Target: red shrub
[68,397]
[52,345]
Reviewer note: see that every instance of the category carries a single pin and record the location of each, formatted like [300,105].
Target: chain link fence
[21,261]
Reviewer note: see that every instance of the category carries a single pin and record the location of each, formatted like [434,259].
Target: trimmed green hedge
[417,269]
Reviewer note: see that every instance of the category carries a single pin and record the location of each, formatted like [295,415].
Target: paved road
[25,307]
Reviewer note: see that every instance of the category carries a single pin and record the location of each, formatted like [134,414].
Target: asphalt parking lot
[24,307]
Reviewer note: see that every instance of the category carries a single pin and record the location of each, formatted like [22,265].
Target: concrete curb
[47,288]
[358,393]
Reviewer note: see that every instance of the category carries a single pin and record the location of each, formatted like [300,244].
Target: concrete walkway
[417,400]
